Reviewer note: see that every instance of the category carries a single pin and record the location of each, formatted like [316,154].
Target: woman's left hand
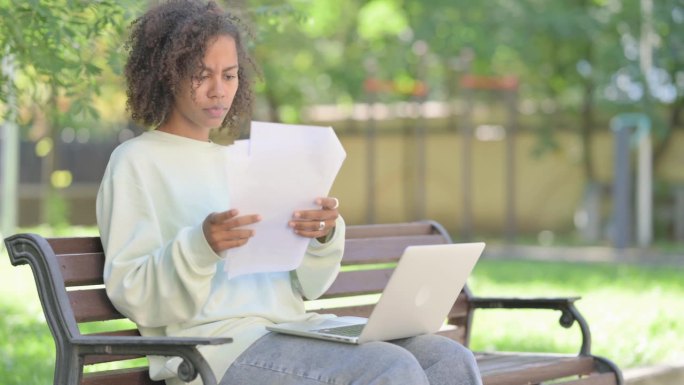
[316,223]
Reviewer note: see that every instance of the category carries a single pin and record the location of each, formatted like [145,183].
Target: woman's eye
[230,77]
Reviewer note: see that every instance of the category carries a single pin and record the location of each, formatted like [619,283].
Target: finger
[312,226]
[328,203]
[312,234]
[217,237]
[225,245]
[216,218]
[316,215]
[234,234]
[243,220]
[230,239]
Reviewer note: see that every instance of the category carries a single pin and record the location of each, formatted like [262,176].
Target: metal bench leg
[68,368]
[606,365]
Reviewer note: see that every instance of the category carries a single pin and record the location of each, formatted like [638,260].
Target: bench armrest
[184,347]
[569,313]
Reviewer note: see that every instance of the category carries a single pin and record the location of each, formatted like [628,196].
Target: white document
[281,169]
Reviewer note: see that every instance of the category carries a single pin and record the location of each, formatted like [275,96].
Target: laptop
[416,300]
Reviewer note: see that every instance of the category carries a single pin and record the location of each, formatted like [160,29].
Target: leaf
[92,69]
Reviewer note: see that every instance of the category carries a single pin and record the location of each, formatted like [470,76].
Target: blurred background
[499,117]
[551,124]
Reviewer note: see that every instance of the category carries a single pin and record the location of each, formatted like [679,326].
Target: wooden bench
[68,274]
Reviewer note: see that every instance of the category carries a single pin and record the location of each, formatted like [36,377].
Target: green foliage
[394,20]
[61,48]
[57,211]
[27,355]
[573,58]
[321,51]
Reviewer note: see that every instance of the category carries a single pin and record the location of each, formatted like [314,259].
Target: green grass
[635,313]
[26,356]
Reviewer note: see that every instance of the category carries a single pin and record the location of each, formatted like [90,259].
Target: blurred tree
[578,62]
[666,81]
[307,52]
[59,48]
[559,41]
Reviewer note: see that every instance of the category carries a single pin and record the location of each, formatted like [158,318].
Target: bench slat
[385,230]
[386,249]
[595,379]
[92,305]
[456,334]
[82,269]
[349,283]
[138,376]
[75,245]
[521,368]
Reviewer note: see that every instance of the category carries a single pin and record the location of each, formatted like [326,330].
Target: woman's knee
[443,357]
[390,364]
[433,346]
[453,349]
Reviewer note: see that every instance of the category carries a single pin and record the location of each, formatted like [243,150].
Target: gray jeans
[288,360]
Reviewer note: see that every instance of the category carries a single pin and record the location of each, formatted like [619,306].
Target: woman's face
[215,87]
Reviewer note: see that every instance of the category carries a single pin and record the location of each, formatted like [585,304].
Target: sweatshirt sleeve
[321,264]
[152,282]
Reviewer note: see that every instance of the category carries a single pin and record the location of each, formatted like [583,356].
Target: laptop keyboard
[347,331]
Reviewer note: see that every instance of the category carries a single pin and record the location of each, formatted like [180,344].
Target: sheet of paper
[279,170]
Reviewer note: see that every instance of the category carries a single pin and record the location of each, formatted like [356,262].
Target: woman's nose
[217,89]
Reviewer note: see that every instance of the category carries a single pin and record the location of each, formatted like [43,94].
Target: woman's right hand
[224,230]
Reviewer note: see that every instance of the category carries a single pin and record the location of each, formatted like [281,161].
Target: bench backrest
[69,272]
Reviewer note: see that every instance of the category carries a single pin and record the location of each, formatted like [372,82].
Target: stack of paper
[281,169]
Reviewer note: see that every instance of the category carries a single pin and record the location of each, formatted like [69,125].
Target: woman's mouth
[216,112]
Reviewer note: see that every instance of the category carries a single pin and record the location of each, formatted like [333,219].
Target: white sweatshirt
[160,271]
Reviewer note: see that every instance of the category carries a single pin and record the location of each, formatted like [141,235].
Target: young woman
[165,218]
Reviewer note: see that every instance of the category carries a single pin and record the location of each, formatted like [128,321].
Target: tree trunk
[673,122]
[51,161]
[587,125]
[587,131]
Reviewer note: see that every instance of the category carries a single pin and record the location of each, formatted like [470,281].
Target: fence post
[679,213]
[9,150]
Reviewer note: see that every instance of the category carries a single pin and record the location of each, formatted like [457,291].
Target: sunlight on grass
[633,311]
[27,354]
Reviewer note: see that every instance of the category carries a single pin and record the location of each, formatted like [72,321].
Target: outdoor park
[553,131]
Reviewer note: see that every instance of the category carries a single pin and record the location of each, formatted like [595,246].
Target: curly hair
[166,46]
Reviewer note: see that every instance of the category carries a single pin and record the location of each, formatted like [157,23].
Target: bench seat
[68,274]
